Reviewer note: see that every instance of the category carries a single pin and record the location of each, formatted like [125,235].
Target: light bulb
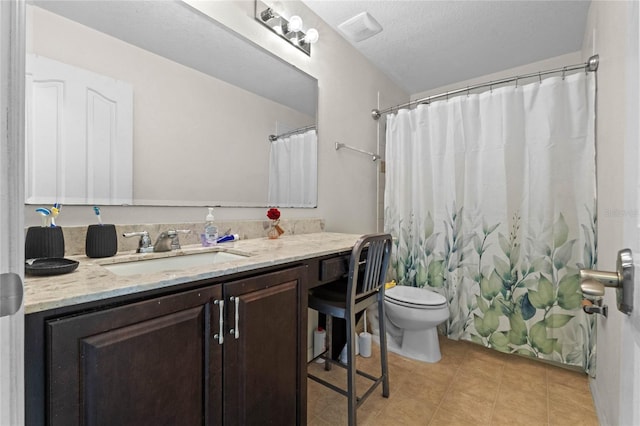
[312,36]
[295,23]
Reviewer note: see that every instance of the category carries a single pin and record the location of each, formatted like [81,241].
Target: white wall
[348,89]
[546,64]
[606,34]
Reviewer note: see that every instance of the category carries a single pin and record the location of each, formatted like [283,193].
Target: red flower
[273,214]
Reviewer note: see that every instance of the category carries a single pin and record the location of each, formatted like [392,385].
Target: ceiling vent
[360,27]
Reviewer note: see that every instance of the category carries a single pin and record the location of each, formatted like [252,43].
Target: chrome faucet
[144,245]
[168,240]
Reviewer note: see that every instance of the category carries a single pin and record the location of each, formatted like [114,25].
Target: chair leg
[383,348]
[328,341]
[351,370]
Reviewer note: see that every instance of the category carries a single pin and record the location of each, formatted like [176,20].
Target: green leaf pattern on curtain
[512,290]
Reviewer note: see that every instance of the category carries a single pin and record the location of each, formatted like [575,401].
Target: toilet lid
[415,295]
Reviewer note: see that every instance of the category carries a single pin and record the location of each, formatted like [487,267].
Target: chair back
[367,271]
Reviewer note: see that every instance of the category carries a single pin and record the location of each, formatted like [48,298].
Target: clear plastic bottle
[210,236]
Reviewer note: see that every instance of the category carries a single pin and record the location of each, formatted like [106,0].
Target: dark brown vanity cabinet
[150,362]
[164,361]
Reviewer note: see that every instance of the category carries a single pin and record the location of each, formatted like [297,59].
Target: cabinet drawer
[334,268]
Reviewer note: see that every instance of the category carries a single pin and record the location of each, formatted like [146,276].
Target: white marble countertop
[91,282]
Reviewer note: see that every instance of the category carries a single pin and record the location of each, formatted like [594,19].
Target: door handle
[593,282]
[11,292]
[220,334]
[235,330]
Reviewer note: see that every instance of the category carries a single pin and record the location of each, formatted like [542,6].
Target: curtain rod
[590,66]
[273,138]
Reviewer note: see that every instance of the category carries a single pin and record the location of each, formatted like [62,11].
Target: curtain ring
[447,96]
[564,72]
[467,91]
[517,77]
[540,77]
[491,87]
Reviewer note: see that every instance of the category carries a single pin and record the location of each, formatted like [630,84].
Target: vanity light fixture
[289,29]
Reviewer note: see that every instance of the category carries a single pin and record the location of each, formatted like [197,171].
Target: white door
[630,325]
[80,131]
[11,212]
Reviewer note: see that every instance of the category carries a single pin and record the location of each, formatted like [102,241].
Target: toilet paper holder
[593,282]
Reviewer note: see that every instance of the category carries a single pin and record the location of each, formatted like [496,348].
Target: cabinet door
[151,362]
[264,370]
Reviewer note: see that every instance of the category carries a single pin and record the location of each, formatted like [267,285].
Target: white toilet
[412,317]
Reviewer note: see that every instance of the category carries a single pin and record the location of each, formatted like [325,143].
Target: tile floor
[471,385]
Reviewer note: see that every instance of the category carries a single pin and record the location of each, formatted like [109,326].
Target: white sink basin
[150,266]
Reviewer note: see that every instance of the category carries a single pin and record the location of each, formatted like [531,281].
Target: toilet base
[421,345]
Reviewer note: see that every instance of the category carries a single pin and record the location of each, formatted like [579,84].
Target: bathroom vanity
[209,344]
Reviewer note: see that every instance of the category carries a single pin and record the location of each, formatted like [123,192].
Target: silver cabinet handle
[236,331]
[220,334]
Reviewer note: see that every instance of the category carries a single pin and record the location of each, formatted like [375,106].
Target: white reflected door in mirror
[79,135]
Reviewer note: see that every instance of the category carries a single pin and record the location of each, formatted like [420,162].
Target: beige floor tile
[471,385]
[535,386]
[569,415]
[576,380]
[535,405]
[409,411]
[476,385]
[448,418]
[570,394]
[469,408]
[510,415]
[489,370]
[317,421]
[518,365]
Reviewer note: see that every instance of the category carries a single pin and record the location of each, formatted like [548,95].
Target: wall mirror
[204,102]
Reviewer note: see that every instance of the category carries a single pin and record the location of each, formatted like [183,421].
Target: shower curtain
[490,199]
[293,173]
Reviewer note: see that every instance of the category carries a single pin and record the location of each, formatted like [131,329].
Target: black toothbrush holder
[41,242]
[102,241]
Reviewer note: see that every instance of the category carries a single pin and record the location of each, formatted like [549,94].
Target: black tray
[50,266]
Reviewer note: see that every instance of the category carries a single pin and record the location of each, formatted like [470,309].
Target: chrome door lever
[593,283]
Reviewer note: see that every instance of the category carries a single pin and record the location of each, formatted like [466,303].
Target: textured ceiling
[429,44]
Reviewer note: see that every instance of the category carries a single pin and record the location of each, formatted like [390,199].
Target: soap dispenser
[210,236]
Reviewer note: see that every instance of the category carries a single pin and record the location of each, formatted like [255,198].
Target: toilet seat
[414,297]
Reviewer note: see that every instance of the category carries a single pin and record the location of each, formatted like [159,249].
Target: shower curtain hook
[540,77]
[564,71]
[517,77]
[491,87]
[447,96]
[467,91]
